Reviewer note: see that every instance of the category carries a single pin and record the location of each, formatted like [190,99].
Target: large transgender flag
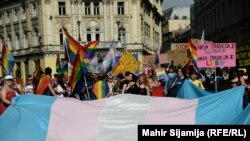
[45,118]
[190,91]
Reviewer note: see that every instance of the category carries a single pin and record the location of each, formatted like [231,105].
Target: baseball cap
[8,77]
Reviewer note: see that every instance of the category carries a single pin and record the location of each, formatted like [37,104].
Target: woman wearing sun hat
[6,93]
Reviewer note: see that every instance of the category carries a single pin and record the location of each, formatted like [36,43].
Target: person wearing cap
[7,92]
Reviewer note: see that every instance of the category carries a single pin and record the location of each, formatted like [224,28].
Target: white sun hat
[8,77]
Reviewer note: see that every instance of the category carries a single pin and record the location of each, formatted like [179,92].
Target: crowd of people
[129,83]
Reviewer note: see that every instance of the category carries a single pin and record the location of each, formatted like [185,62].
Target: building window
[120,8]
[17,41]
[9,41]
[62,8]
[96,8]
[97,33]
[35,37]
[7,16]
[122,35]
[184,17]
[34,10]
[25,40]
[23,14]
[1,20]
[60,36]
[87,8]
[15,14]
[176,17]
[89,34]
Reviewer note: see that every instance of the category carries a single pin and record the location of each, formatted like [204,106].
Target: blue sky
[169,3]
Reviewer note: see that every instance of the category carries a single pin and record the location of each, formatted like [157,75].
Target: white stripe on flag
[121,116]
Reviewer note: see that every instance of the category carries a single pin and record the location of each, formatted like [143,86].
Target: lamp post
[79,23]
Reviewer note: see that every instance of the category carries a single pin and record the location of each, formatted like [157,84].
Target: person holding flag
[45,86]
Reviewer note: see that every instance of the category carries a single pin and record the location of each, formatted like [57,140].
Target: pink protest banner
[216,55]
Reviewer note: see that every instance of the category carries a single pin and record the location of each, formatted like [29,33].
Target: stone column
[23,70]
[31,67]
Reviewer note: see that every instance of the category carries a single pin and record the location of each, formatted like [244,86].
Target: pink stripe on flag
[74,120]
[171,111]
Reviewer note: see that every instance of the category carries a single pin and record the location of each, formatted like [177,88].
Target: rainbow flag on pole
[101,89]
[71,47]
[91,49]
[64,70]
[58,63]
[79,68]
[193,51]
[8,60]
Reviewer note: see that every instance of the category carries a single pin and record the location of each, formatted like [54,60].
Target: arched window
[35,37]
[25,40]
[18,41]
[88,34]
[61,35]
[97,33]
[122,35]
[93,33]
[9,41]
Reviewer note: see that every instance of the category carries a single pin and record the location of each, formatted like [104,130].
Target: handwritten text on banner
[216,55]
[127,62]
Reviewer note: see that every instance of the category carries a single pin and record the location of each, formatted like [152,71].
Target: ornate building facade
[223,21]
[32,28]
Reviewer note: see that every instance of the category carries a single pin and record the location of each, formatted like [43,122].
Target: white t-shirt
[59,90]
[28,89]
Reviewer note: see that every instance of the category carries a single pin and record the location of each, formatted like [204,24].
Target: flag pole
[60,61]
[66,48]
[86,85]
[215,80]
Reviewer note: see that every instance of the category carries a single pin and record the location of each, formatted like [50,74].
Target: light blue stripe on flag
[220,108]
[191,91]
[244,117]
[33,111]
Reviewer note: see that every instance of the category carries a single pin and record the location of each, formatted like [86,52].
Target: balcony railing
[57,47]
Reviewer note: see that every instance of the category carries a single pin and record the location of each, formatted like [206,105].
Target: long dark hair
[60,81]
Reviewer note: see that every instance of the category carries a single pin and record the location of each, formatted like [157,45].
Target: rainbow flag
[185,66]
[91,49]
[58,63]
[38,72]
[8,60]
[79,68]
[101,89]
[43,84]
[193,51]
[71,47]
[64,70]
